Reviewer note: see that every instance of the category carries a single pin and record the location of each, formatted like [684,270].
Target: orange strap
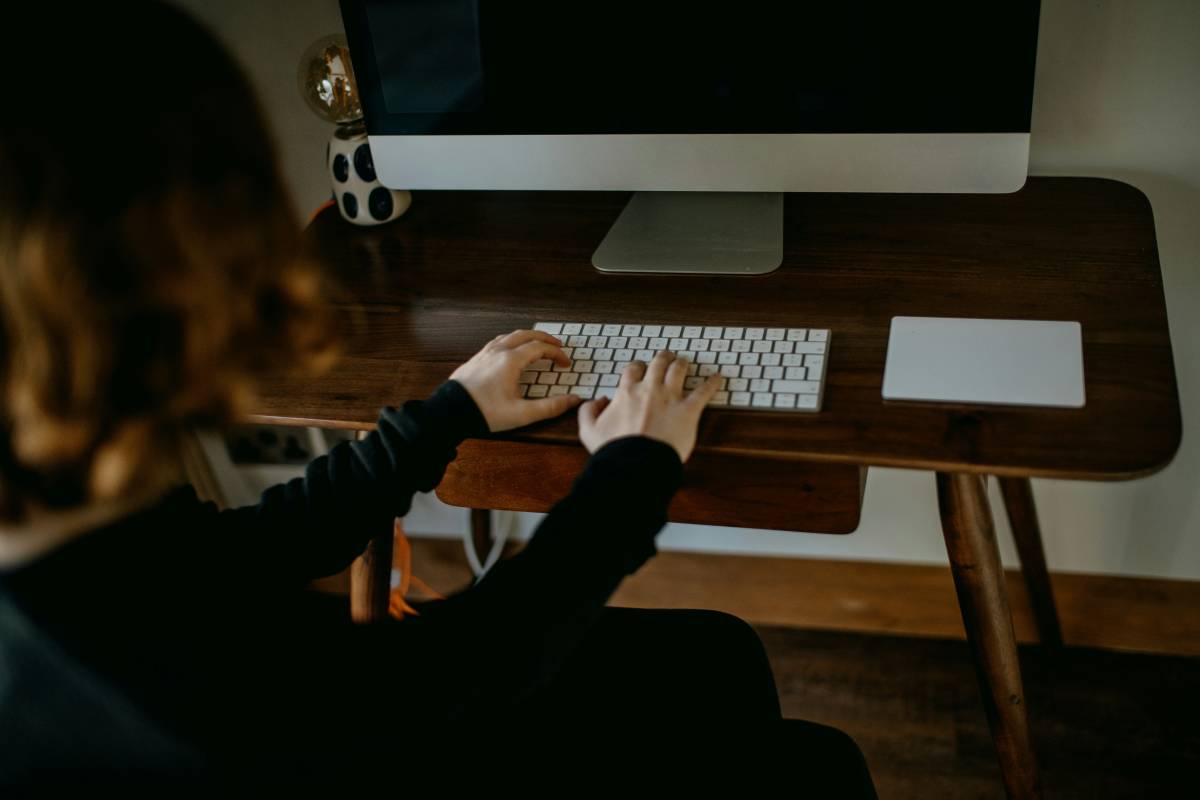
[398,606]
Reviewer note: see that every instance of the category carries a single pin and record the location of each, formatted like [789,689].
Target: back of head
[150,259]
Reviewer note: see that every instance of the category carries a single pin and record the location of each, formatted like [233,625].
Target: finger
[518,338]
[547,407]
[705,391]
[632,374]
[590,411]
[676,373]
[532,351]
[658,366]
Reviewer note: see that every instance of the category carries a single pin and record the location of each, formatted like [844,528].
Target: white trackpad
[1010,361]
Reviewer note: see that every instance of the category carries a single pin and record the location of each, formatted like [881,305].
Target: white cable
[501,534]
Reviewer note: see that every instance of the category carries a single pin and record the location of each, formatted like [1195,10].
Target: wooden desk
[427,291]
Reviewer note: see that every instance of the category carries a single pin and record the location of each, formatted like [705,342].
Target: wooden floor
[1105,724]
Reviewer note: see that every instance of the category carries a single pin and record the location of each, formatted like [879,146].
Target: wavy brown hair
[151,263]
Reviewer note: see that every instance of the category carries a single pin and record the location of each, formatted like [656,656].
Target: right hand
[649,402]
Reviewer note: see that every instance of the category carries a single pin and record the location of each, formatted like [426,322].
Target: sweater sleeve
[530,612]
[317,524]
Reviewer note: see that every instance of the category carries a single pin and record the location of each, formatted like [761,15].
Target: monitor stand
[700,233]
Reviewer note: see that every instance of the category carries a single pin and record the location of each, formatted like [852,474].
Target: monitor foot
[698,233]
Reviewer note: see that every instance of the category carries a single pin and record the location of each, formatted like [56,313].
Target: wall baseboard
[1105,611]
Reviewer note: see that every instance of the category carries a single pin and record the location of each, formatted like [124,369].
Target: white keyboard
[781,369]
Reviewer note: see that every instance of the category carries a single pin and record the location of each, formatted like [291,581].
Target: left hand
[490,377]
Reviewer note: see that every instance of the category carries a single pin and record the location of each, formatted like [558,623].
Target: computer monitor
[707,110]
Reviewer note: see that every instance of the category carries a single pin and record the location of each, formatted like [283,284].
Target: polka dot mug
[359,195]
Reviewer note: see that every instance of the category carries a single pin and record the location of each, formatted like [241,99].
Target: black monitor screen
[660,66]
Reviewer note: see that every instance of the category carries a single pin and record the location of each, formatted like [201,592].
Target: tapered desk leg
[979,580]
[371,580]
[1022,518]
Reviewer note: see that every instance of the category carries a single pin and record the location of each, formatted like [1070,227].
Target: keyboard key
[748,358]
[761,346]
[713,333]
[741,346]
[610,330]
[603,354]
[797,373]
[796,334]
[693,382]
[597,341]
[643,355]
[793,360]
[528,377]
[739,398]
[738,384]
[603,367]
[707,357]
[719,345]
[586,353]
[785,401]
[762,400]
[733,333]
[584,391]
[572,329]
[806,401]
[624,354]
[703,370]
[568,379]
[652,331]
[730,370]
[581,366]
[658,343]
[775,334]
[610,379]
[537,391]
[590,379]
[577,341]
[606,391]
[631,330]
[760,385]
[818,336]
[541,365]
[591,329]
[557,390]
[678,344]
[751,372]
[671,331]
[618,342]
[692,331]
[772,373]
[754,334]
[547,379]
[770,359]
[814,361]
[719,399]
[810,347]
[698,345]
[796,387]
[638,342]
[783,347]
[552,328]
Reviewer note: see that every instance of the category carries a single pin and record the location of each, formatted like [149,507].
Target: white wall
[1117,94]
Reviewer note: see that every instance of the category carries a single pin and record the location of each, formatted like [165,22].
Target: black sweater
[183,637]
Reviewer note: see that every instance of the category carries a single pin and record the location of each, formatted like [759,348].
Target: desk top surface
[427,291]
